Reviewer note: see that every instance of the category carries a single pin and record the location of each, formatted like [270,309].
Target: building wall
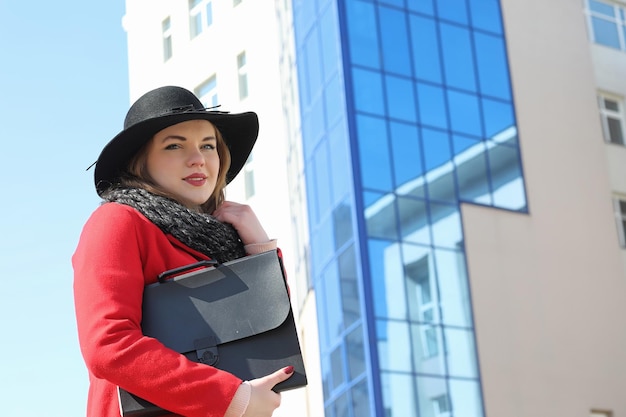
[548,288]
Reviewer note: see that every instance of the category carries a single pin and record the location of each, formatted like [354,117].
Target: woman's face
[183,160]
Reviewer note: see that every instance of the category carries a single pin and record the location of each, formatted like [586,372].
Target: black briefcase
[235,316]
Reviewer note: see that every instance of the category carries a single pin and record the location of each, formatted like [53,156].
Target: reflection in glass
[350,299]
[465,395]
[361,400]
[340,406]
[464,113]
[493,71]
[460,352]
[446,225]
[399,395]
[407,158]
[432,393]
[331,308]
[368,91]
[428,349]
[394,345]
[342,224]
[356,353]
[413,219]
[336,362]
[453,291]
[472,174]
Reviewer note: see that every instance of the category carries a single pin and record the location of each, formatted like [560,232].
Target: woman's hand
[263,401]
[243,220]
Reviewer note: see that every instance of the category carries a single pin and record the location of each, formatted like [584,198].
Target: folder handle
[163,276]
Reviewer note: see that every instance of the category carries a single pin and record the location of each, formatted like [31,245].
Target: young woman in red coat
[162,180]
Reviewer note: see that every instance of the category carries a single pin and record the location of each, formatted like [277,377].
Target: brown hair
[137,175]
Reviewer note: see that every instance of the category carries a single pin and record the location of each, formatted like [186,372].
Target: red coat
[119,252]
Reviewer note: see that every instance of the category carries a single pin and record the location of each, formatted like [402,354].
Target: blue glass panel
[394,345]
[361,400]
[433,392]
[493,71]
[313,54]
[485,15]
[394,40]
[322,170]
[209,14]
[458,61]
[368,91]
[397,3]
[374,152]
[334,104]
[454,10]
[313,126]
[399,395]
[341,406]
[355,352]
[331,303]
[303,86]
[309,176]
[304,16]
[425,43]
[387,279]
[506,178]
[427,348]
[498,117]
[602,8]
[362,34]
[337,365]
[380,218]
[452,283]
[432,105]
[342,227]
[446,225]
[605,32]
[341,166]
[331,54]
[400,99]
[326,376]
[465,395]
[413,219]
[436,148]
[350,294]
[407,158]
[464,113]
[322,236]
[460,352]
[421,6]
[471,170]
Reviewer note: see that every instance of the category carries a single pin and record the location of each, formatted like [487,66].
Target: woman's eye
[173,146]
[208,146]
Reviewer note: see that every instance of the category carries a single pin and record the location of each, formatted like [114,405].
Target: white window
[441,406]
[200,16]
[248,170]
[207,92]
[607,23]
[613,120]
[242,75]
[166,29]
[619,206]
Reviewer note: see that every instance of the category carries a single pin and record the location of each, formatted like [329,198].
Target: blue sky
[63,95]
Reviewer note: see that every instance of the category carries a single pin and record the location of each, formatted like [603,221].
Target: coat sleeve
[108,287]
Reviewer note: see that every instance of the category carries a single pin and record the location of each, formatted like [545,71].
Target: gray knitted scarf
[199,231]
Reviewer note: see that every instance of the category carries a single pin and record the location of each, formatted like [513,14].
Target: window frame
[618,19]
[200,16]
[606,114]
[166,33]
[208,94]
[620,218]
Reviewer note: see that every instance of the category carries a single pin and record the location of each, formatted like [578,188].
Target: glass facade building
[406,113]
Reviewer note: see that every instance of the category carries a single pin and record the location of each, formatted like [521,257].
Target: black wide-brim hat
[164,107]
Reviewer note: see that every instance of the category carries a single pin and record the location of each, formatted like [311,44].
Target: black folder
[235,316]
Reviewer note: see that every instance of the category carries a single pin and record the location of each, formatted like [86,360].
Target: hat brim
[239,130]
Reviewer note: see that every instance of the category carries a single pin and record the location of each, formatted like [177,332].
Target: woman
[162,180]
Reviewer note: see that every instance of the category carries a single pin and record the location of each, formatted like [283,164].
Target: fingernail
[289,370]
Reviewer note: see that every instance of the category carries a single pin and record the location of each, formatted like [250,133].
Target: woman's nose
[195,158]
